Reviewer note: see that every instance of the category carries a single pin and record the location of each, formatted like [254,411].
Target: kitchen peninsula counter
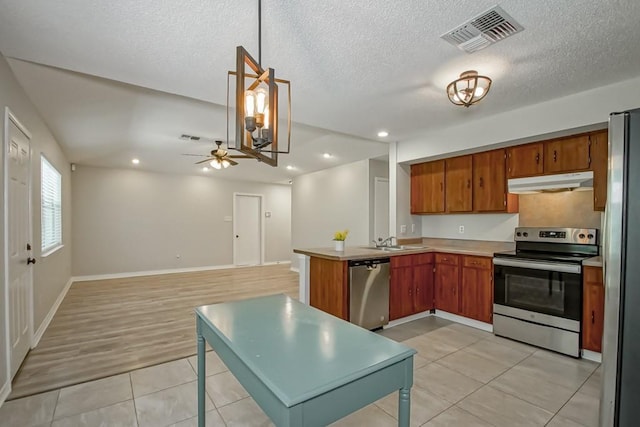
[453,246]
[596,261]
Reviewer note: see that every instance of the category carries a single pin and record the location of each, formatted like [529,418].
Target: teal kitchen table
[302,366]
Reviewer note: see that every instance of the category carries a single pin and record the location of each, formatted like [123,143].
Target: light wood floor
[107,327]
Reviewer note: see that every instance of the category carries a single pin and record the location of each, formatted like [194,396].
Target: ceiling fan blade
[231,162]
[205,160]
[240,157]
[195,155]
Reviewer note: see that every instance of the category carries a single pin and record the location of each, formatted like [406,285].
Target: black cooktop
[544,256]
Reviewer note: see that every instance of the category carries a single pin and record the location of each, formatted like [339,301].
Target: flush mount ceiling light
[468,89]
[135,161]
[383,134]
[257,110]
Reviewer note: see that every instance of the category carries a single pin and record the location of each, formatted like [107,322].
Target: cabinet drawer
[593,275]
[420,259]
[401,261]
[477,262]
[448,259]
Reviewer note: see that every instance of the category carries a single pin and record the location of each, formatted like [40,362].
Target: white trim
[4,391]
[592,355]
[410,318]
[51,251]
[465,321]
[262,224]
[295,269]
[10,117]
[47,320]
[271,263]
[377,180]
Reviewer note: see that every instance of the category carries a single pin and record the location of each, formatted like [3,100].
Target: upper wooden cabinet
[525,160]
[490,183]
[427,187]
[599,164]
[458,176]
[567,154]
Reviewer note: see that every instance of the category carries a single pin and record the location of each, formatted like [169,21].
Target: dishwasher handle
[368,262]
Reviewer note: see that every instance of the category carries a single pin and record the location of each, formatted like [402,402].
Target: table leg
[201,379]
[404,407]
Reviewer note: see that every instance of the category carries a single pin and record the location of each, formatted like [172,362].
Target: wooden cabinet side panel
[599,164]
[458,177]
[328,286]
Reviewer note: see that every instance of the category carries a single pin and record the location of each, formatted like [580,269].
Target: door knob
[237,236]
[31,260]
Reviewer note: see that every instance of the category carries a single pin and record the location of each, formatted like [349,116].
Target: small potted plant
[338,238]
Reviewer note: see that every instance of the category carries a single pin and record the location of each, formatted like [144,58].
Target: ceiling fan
[220,158]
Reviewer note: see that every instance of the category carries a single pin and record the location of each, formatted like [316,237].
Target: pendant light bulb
[249,103]
[261,100]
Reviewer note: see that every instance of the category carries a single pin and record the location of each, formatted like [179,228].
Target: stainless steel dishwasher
[369,292]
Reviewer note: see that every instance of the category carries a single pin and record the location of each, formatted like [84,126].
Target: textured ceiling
[355,68]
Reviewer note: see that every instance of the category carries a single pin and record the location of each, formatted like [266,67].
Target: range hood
[550,183]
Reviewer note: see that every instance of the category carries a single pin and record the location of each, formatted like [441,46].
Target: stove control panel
[579,236]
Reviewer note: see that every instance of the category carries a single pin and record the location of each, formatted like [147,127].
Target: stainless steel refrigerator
[620,399]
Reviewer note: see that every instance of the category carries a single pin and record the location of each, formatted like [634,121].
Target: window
[51,207]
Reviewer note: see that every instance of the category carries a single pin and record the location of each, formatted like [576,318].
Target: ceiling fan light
[215,163]
[225,163]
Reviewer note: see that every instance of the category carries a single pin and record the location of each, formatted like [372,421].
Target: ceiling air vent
[186,137]
[479,32]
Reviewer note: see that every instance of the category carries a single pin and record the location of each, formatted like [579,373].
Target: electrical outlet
[461,229]
[403,229]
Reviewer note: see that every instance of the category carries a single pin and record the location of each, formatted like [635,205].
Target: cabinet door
[401,293]
[446,288]
[427,187]
[525,160]
[599,164]
[476,294]
[567,154]
[592,309]
[423,284]
[458,176]
[489,181]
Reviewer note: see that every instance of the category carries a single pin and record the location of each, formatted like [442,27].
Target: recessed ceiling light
[205,169]
[383,134]
[135,161]
[327,155]
[289,167]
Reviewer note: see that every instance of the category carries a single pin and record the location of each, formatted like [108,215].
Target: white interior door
[19,276]
[247,228]
[381,208]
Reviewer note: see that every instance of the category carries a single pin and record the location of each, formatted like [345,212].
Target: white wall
[494,227]
[129,221]
[377,169]
[50,274]
[330,200]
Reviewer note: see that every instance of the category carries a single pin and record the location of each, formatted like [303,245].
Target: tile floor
[462,377]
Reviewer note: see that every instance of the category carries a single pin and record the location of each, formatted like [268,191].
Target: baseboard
[465,321]
[592,355]
[295,269]
[4,391]
[276,262]
[410,318]
[45,323]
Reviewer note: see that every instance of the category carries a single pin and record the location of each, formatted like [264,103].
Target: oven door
[549,288]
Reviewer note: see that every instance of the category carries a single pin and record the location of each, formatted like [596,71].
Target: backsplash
[564,209]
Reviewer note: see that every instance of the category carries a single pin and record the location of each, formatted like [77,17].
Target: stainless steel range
[538,287]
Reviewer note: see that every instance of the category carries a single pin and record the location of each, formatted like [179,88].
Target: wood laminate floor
[107,327]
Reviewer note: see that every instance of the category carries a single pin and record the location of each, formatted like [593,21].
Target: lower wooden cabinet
[329,286]
[447,283]
[592,309]
[411,288]
[476,288]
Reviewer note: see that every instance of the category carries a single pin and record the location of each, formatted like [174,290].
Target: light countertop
[464,247]
[596,261]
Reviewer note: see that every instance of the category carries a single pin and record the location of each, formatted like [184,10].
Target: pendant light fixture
[468,89]
[257,108]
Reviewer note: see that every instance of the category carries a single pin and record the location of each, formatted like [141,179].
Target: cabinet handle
[481,182]
[537,158]
[441,186]
[454,291]
[555,155]
[593,317]
[468,183]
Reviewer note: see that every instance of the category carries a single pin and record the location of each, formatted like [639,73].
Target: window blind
[51,206]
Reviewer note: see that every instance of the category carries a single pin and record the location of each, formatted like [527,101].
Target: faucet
[384,243]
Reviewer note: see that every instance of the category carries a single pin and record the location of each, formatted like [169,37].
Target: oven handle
[538,265]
